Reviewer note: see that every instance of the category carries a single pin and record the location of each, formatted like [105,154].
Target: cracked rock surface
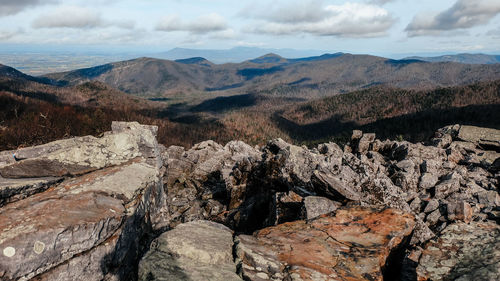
[89,208]
[91,226]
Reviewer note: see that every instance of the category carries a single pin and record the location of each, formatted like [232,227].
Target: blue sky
[382,27]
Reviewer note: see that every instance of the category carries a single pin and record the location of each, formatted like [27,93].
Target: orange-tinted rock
[354,244]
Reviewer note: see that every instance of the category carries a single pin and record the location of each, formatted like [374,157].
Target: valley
[303,100]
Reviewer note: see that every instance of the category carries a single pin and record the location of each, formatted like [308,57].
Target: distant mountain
[12,73]
[89,94]
[234,55]
[330,74]
[196,60]
[461,58]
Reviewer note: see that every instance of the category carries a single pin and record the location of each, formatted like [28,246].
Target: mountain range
[461,58]
[302,100]
[233,55]
[325,75]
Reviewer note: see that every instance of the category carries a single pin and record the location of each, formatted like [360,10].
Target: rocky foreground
[122,207]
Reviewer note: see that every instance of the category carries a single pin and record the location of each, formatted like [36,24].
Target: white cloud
[463,14]
[69,16]
[6,35]
[346,20]
[380,2]
[10,7]
[495,33]
[202,25]
[77,17]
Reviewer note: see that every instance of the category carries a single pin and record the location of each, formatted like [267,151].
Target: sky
[380,27]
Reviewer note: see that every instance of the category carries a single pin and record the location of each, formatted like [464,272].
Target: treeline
[391,113]
[25,121]
[413,115]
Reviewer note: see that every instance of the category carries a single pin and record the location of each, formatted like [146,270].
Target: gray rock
[82,155]
[489,198]
[484,137]
[459,211]
[12,190]
[92,226]
[428,181]
[431,206]
[447,187]
[364,142]
[462,252]
[433,217]
[285,207]
[334,187]
[316,206]
[199,250]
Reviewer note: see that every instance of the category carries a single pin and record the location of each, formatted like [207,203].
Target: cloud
[380,2]
[10,7]
[346,20]
[463,14]
[77,17]
[6,35]
[495,33]
[202,25]
[297,12]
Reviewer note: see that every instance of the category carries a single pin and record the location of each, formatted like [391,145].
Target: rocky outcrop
[92,225]
[376,209]
[354,244]
[195,251]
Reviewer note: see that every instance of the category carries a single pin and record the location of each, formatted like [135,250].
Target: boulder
[194,251]
[484,137]
[459,211]
[82,155]
[326,248]
[463,252]
[315,206]
[285,207]
[92,226]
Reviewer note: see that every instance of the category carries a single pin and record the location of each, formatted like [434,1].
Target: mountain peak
[269,58]
[195,60]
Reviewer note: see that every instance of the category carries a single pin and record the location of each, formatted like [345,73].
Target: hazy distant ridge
[462,58]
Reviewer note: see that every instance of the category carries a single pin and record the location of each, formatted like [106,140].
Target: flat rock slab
[482,136]
[463,252]
[196,251]
[12,190]
[47,229]
[352,245]
[82,155]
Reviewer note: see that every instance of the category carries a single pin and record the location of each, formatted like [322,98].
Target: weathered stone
[195,251]
[431,206]
[88,220]
[433,217]
[489,198]
[92,226]
[286,206]
[459,211]
[428,180]
[484,137]
[416,205]
[84,154]
[364,142]
[326,248]
[335,188]
[316,206]
[447,187]
[12,190]
[463,252]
